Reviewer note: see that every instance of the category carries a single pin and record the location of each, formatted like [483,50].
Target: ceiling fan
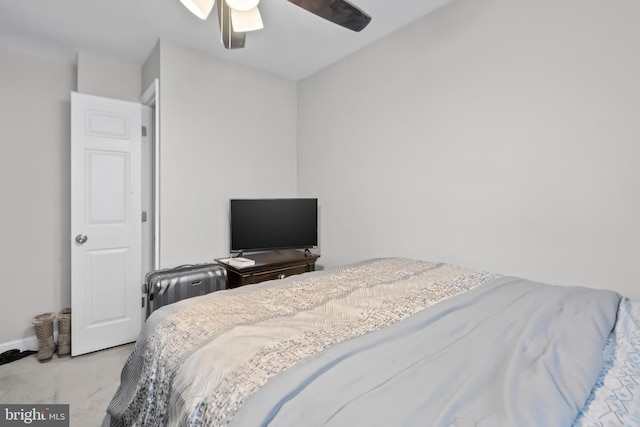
[237,17]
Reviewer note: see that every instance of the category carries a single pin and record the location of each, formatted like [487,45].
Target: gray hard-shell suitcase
[175,284]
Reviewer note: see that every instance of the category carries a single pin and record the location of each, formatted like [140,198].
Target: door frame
[150,100]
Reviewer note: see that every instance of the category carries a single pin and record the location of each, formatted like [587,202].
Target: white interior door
[105,222]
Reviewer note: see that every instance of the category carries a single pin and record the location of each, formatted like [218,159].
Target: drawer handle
[281,276]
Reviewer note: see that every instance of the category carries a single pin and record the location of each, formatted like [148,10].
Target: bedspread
[197,361]
[509,353]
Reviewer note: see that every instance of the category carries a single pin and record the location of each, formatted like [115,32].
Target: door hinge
[144,216]
[142,302]
[144,131]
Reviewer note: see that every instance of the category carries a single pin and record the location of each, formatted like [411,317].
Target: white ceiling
[293,44]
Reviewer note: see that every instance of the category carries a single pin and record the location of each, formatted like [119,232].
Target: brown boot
[64,332]
[43,324]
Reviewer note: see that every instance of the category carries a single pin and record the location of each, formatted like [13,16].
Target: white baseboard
[29,343]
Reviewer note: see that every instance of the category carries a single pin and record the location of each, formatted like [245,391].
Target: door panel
[106,286]
[107,124]
[109,187]
[106,208]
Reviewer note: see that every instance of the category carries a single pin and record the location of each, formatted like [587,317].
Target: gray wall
[108,78]
[496,134]
[226,131]
[151,67]
[34,190]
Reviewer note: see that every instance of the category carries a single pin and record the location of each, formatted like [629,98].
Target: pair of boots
[43,324]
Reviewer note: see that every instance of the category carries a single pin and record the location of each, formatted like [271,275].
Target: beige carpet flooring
[87,383]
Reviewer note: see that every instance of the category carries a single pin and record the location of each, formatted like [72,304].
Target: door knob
[81,238]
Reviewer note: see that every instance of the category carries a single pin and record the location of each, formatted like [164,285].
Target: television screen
[268,224]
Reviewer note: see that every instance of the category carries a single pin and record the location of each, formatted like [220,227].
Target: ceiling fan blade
[200,8]
[245,21]
[230,39]
[340,12]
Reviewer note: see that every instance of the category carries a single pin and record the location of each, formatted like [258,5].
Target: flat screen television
[270,224]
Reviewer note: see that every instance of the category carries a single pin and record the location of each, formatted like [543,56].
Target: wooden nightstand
[269,265]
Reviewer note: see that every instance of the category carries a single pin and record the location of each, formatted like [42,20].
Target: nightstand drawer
[279,273]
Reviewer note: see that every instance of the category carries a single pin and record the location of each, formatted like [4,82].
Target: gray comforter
[509,353]
[305,351]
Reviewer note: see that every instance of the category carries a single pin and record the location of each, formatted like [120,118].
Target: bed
[387,342]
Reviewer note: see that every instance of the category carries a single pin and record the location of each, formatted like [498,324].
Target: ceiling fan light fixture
[200,8]
[246,21]
[242,5]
